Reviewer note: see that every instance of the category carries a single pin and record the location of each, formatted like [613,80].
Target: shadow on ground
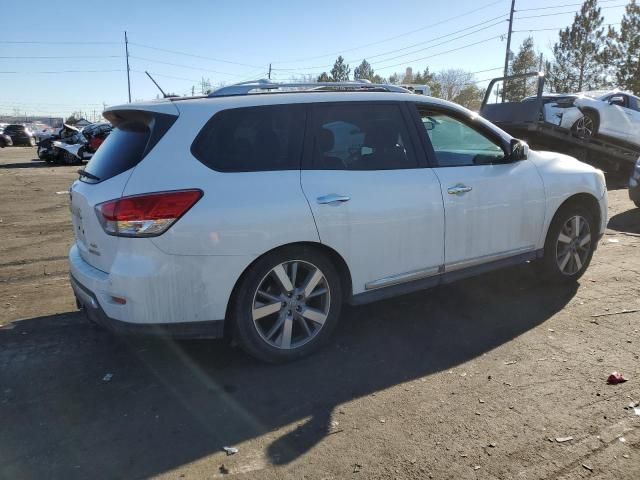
[170,403]
[628,221]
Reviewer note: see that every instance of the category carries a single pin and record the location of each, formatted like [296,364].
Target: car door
[634,114]
[615,117]
[493,209]
[372,199]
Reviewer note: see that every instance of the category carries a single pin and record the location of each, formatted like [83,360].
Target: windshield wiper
[83,173]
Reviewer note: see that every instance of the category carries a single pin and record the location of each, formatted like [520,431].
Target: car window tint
[252,139]
[457,144]
[360,136]
[633,104]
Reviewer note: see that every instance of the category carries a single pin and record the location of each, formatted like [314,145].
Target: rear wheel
[570,243]
[32,142]
[287,304]
[586,127]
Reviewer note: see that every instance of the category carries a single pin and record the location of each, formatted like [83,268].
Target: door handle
[332,199]
[458,189]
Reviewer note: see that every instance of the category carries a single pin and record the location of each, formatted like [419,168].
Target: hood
[560,161]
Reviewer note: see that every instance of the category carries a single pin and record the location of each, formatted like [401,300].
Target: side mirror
[519,150]
[617,100]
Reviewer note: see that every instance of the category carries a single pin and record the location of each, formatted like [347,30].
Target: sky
[228,42]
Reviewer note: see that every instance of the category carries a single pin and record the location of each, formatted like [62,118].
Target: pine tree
[394,78]
[526,61]
[579,52]
[364,71]
[324,77]
[623,51]
[340,71]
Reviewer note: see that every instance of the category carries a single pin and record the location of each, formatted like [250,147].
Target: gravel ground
[475,380]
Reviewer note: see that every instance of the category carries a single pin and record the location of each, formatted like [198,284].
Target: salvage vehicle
[634,184]
[5,140]
[256,216]
[20,135]
[592,126]
[71,145]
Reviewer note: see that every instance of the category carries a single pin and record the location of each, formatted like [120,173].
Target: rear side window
[252,139]
[134,135]
[360,136]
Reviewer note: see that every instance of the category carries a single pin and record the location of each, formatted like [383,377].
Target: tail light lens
[146,215]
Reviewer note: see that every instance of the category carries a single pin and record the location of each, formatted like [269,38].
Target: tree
[429,79]
[525,61]
[340,71]
[394,78]
[324,77]
[364,72]
[470,97]
[623,49]
[73,118]
[579,52]
[451,82]
[205,86]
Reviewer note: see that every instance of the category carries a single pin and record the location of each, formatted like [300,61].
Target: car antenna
[156,84]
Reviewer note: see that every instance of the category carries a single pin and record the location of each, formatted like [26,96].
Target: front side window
[457,144]
[360,136]
[252,139]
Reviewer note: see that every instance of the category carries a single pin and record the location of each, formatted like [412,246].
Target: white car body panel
[617,122]
[394,223]
[502,215]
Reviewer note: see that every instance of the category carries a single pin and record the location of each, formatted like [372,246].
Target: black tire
[251,334]
[556,251]
[68,158]
[587,126]
[32,142]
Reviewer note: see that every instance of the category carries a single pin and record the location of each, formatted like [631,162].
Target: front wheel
[287,304]
[570,243]
[32,142]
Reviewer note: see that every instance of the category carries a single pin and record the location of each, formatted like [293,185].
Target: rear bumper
[91,289]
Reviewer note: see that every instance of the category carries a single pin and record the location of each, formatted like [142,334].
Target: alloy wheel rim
[585,127]
[291,304]
[573,245]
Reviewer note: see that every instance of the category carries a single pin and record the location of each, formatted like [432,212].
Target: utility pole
[126,49]
[508,52]
[541,64]
[269,71]
[193,90]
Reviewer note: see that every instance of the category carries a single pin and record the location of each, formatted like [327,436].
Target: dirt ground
[475,380]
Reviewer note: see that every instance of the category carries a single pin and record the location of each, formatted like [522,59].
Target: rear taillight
[146,215]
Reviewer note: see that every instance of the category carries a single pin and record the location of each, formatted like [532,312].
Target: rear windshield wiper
[83,173]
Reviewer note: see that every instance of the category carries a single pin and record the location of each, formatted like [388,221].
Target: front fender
[563,177]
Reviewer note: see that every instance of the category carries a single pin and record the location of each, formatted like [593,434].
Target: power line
[185,66]
[441,53]
[176,52]
[559,6]
[20,57]
[378,42]
[557,28]
[563,13]
[63,71]
[414,45]
[47,42]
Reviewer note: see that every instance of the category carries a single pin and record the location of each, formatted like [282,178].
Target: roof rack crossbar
[245,87]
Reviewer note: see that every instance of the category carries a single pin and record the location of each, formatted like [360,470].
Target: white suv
[257,215]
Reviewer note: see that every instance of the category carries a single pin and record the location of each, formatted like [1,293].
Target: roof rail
[245,88]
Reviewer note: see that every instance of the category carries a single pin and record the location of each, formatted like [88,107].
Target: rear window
[252,139]
[134,135]
[14,128]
